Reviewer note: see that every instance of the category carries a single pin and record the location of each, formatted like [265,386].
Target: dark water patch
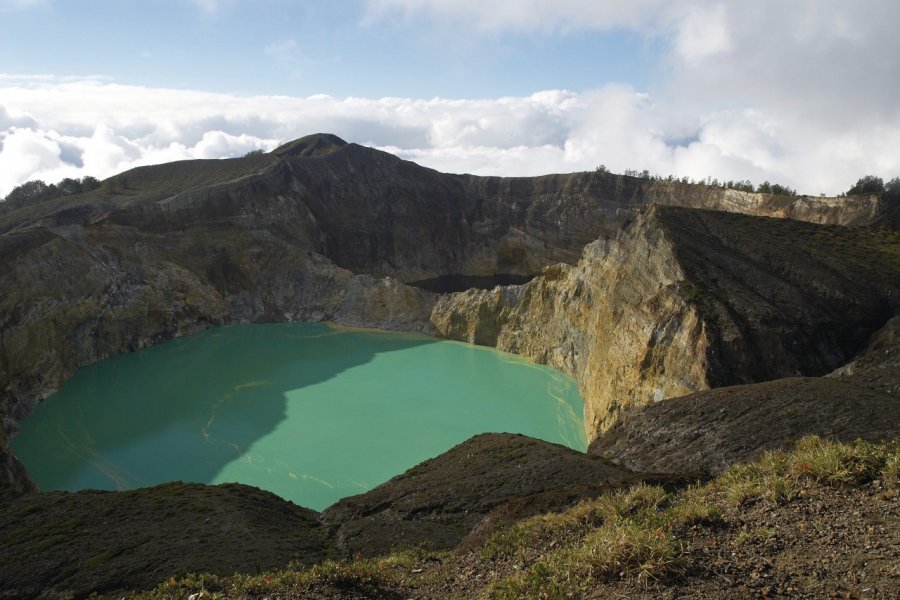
[446,284]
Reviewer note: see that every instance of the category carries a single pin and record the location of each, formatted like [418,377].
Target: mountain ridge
[641,301]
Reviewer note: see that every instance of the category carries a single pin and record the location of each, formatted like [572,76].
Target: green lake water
[309,411]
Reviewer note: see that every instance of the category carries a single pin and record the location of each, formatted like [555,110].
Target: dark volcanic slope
[783,297]
[74,543]
[372,212]
[60,544]
[712,430]
[438,502]
[878,367]
[365,210]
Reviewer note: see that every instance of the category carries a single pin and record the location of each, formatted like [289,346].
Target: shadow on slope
[783,297]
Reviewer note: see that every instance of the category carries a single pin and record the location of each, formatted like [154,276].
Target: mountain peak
[317,144]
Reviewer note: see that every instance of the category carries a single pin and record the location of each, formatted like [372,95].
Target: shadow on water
[185,409]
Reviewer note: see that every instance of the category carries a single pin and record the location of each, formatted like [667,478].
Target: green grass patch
[361,577]
[778,476]
[623,534]
[640,533]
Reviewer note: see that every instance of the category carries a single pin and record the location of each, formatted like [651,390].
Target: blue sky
[804,93]
[295,47]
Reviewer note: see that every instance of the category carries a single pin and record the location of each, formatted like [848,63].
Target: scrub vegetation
[639,540]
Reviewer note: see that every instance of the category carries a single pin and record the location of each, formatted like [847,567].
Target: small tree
[870,184]
[37,190]
[783,190]
[69,187]
[30,191]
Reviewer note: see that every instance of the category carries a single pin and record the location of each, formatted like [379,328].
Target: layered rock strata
[321,229]
[684,300]
[711,430]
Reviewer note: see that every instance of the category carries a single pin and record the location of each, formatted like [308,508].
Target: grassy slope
[778,525]
[149,183]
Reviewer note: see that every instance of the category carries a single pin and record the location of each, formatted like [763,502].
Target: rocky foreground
[667,306]
[819,522]
[106,542]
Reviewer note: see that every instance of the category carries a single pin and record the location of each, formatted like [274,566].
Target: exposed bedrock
[678,301]
[711,430]
[684,300]
[85,293]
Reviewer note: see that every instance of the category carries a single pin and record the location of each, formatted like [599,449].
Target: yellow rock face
[683,300]
[617,321]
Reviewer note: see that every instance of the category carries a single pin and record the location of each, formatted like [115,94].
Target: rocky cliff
[322,229]
[640,302]
[711,430]
[684,300]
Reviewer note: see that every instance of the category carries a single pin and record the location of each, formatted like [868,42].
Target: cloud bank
[806,94]
[51,129]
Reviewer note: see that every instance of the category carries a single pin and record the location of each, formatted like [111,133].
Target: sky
[805,93]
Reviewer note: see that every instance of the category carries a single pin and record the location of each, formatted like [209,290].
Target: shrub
[869,184]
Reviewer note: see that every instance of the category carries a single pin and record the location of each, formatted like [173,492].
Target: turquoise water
[308,411]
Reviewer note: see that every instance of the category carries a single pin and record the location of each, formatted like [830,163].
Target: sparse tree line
[37,190]
[870,184]
[743,186]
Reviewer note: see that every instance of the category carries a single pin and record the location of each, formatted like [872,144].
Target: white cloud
[823,58]
[801,93]
[51,129]
[703,33]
